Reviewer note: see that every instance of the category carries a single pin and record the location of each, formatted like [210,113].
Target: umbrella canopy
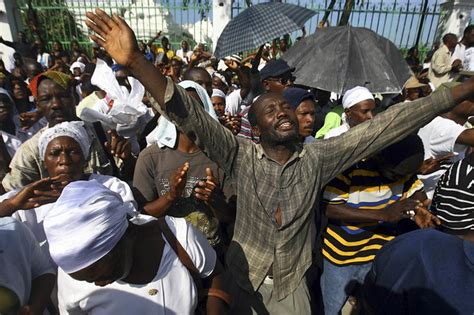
[337,59]
[258,24]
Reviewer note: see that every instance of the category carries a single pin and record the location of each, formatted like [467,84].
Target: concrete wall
[455,17]
[221,15]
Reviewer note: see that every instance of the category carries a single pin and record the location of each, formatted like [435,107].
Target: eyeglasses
[283,80]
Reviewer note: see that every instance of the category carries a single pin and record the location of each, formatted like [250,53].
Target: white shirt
[468,62]
[232,102]
[337,131]
[439,139]
[185,56]
[172,290]
[458,53]
[43,59]
[34,218]
[21,258]
[11,142]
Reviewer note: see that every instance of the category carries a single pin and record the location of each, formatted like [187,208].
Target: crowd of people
[144,180]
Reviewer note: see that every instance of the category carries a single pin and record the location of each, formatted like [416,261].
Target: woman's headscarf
[72,129]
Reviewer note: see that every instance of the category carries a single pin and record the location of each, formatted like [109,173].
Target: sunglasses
[283,80]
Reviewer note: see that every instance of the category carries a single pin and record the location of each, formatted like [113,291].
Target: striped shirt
[362,187]
[453,202]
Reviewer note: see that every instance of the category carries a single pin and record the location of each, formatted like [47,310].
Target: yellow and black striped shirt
[362,187]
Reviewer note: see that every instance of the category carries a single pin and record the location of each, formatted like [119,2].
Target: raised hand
[114,35]
[232,64]
[207,190]
[44,191]
[433,164]
[178,182]
[119,146]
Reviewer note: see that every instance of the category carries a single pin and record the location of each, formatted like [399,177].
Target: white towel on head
[71,129]
[356,95]
[85,224]
[77,64]
[165,132]
[217,92]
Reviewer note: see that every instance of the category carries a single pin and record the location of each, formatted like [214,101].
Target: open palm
[114,35]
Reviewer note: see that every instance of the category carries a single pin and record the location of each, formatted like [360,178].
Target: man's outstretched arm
[183,110]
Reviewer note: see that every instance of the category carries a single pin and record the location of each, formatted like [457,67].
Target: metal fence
[401,21]
[63,20]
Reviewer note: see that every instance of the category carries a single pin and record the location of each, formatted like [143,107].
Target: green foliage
[50,20]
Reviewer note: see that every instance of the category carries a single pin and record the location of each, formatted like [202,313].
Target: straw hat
[413,83]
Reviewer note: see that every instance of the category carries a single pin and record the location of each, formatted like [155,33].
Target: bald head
[201,77]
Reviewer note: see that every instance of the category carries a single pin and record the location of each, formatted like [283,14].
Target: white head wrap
[165,132]
[85,224]
[356,95]
[217,92]
[72,129]
[77,64]
[221,77]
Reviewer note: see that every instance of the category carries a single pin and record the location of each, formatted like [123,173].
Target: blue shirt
[423,272]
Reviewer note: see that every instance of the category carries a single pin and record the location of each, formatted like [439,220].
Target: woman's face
[64,156]
[19,91]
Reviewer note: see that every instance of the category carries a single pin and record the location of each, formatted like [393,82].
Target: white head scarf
[356,95]
[77,64]
[72,129]
[217,92]
[221,77]
[165,132]
[85,224]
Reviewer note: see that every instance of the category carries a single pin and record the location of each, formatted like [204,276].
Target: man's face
[278,84]
[305,113]
[56,46]
[219,105]
[176,65]
[283,44]
[64,156]
[276,120]
[470,38]
[218,84]
[19,90]
[55,103]
[33,69]
[5,108]
[451,42]
[360,112]
[201,77]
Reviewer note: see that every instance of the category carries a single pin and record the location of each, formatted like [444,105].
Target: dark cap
[295,96]
[275,68]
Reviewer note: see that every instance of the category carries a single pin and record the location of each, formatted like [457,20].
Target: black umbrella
[258,24]
[337,59]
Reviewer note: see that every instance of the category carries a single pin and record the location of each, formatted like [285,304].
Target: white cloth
[219,93]
[43,59]
[172,290]
[337,131]
[165,132]
[21,259]
[468,62]
[77,64]
[34,218]
[85,224]
[127,106]
[220,77]
[356,95]
[439,139]
[72,129]
[458,53]
[185,56]
[6,54]
[232,102]
[11,142]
